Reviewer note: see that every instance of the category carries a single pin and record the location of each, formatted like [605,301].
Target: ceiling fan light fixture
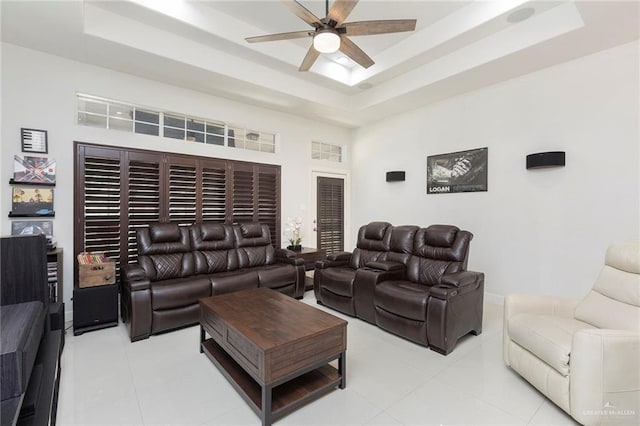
[326,41]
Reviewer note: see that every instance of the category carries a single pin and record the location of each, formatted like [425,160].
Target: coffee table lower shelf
[286,397]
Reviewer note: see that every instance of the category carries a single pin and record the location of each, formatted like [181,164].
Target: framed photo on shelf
[29,201]
[34,140]
[30,227]
[40,170]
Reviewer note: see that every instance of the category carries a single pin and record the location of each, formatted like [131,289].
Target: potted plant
[294,232]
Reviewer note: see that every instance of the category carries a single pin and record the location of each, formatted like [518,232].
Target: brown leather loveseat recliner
[179,265]
[407,280]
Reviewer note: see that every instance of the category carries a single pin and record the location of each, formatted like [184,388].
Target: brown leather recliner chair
[439,301]
[333,278]
[414,283]
[161,292]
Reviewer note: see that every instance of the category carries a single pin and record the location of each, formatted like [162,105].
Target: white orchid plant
[294,231]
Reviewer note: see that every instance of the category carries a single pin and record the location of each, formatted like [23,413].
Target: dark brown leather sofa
[407,280]
[179,265]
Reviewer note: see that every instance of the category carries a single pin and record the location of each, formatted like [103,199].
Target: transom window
[109,114]
[326,151]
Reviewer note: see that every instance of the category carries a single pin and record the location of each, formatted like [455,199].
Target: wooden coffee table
[273,349]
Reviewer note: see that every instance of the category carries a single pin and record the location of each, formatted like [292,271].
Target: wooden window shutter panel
[214,191]
[98,203]
[243,196]
[183,189]
[144,199]
[268,198]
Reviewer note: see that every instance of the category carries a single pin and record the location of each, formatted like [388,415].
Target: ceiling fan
[330,33]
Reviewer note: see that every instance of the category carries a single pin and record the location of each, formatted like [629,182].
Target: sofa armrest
[386,265]
[134,277]
[605,377]
[288,256]
[343,255]
[334,259]
[135,301]
[457,284]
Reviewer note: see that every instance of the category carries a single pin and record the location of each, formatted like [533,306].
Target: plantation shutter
[243,193]
[330,214]
[214,191]
[269,199]
[98,205]
[144,196]
[182,188]
[119,191]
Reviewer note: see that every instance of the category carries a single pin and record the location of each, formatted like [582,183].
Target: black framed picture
[29,201]
[463,171]
[34,140]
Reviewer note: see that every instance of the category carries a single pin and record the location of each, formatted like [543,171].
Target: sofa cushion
[163,238]
[441,235]
[376,230]
[614,301]
[251,230]
[179,292]
[401,243]
[227,282]
[211,236]
[167,266]
[164,233]
[253,248]
[210,261]
[339,280]
[22,327]
[403,298]
[548,337]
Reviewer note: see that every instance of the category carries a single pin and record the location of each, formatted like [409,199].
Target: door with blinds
[330,213]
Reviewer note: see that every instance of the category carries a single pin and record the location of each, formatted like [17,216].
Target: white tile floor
[108,380]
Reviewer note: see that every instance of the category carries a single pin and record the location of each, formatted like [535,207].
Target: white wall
[537,231]
[39,91]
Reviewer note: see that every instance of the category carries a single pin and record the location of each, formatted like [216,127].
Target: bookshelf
[55,274]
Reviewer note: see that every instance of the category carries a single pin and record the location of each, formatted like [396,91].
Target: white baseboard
[496,299]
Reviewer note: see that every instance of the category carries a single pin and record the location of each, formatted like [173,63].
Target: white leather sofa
[584,355]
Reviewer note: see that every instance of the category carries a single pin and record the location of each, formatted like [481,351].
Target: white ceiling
[458,46]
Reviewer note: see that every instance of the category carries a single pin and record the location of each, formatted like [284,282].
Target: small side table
[310,256]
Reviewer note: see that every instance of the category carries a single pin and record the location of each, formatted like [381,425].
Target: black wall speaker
[545,159]
[395,176]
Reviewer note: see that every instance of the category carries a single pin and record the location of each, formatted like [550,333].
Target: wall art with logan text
[463,171]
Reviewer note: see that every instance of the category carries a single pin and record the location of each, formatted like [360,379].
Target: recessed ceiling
[458,46]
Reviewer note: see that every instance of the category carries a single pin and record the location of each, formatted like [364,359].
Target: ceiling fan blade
[350,49]
[341,9]
[379,27]
[281,36]
[302,12]
[309,59]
